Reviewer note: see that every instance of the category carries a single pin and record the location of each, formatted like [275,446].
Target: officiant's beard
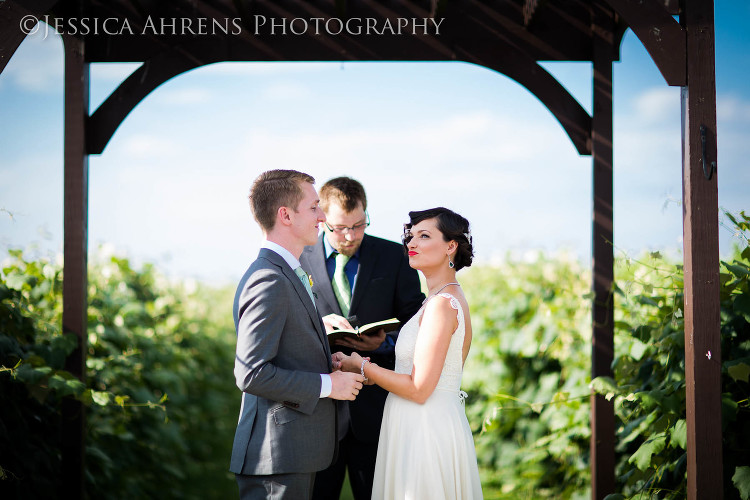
[347,248]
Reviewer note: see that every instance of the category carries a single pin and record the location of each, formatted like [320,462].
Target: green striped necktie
[305,279]
[341,287]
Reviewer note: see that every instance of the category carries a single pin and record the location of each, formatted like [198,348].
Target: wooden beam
[701,255]
[12,12]
[558,34]
[671,6]
[529,8]
[602,352]
[660,34]
[75,258]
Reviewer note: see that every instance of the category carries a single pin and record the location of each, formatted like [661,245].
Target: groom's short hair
[274,189]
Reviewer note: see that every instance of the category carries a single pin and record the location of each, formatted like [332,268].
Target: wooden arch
[509,36]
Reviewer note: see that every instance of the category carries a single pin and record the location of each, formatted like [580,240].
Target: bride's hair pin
[468,238]
[407,236]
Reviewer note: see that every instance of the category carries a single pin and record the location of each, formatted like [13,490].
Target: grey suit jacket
[284,426]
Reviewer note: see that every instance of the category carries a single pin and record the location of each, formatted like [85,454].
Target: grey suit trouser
[276,486]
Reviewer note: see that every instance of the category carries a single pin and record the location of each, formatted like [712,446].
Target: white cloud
[732,108]
[184,96]
[141,146]
[38,64]
[658,105]
[286,92]
[470,142]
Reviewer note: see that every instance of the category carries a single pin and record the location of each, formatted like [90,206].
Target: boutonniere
[309,278]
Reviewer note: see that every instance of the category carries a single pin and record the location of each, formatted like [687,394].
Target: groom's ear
[284,216]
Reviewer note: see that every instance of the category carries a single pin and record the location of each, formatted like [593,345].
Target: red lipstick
[412,253]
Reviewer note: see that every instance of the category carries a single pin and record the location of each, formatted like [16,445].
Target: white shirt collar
[283,252]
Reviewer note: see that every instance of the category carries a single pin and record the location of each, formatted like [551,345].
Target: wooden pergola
[509,36]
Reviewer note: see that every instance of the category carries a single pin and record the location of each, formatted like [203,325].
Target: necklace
[440,290]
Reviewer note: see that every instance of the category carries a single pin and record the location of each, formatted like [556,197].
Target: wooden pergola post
[75,257]
[700,218]
[602,352]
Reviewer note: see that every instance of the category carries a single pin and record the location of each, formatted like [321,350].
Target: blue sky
[171,186]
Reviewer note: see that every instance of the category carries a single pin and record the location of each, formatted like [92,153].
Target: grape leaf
[642,457]
[741,480]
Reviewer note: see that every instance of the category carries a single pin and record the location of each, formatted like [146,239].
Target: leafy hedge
[649,383]
[162,405]
[528,376]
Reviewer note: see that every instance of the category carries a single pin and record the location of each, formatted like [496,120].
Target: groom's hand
[345,385]
[336,359]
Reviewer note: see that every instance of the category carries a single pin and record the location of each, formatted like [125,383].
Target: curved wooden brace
[103,123]
[11,14]
[662,36]
[564,107]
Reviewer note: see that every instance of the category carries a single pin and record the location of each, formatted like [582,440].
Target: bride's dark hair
[453,226]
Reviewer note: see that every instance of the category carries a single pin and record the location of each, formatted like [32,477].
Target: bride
[426,449]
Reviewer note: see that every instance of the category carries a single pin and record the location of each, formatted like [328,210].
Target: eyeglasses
[355,228]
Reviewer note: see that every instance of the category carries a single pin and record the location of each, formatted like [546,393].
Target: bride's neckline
[440,290]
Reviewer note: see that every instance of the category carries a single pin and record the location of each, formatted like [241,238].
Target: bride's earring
[450,263]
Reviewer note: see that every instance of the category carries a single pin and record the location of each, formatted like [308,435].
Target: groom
[283,364]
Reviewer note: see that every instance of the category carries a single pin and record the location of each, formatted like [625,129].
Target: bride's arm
[438,324]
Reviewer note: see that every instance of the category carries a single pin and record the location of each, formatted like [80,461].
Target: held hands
[353,364]
[345,385]
[336,359]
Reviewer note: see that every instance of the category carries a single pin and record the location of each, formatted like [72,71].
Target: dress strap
[455,304]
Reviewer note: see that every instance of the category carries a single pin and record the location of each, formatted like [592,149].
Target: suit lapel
[322,283]
[368,258]
[299,288]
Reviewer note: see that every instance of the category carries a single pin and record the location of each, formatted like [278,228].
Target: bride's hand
[352,363]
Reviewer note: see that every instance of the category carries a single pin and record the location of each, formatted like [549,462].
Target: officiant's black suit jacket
[386,287]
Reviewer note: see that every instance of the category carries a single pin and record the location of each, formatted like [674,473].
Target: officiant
[358,279]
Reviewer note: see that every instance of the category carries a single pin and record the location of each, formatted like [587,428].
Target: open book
[388,325]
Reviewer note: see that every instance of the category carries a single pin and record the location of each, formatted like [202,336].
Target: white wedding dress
[426,451]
